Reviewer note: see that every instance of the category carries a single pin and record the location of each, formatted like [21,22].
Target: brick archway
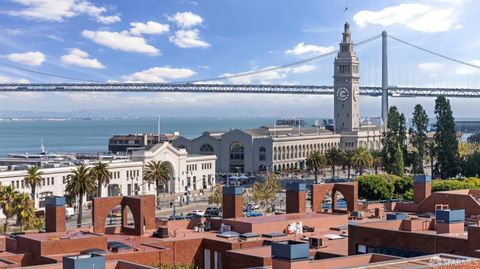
[142,208]
[348,190]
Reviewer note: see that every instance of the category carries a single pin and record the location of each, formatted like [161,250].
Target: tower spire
[346,33]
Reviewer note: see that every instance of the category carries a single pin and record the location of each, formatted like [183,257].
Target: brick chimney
[232,202]
[55,214]
[422,188]
[296,197]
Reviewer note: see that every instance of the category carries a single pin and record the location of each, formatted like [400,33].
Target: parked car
[69,212]
[198,212]
[176,217]
[192,215]
[253,214]
[212,212]
[115,213]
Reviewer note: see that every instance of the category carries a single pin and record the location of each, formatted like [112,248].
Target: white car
[198,212]
[69,212]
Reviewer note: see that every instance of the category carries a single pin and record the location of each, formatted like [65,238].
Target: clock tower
[346,86]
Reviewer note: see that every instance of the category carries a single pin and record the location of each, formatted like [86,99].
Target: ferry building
[281,147]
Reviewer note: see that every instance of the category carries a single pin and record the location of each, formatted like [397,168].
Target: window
[263,154]
[206,149]
[361,249]
[236,151]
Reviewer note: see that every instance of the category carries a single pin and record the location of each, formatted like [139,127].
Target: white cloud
[55,10]
[419,17]
[303,69]
[80,58]
[55,37]
[186,19]
[465,70]
[34,58]
[268,77]
[302,49]
[151,28]
[188,39]
[123,41]
[5,79]
[159,74]
[431,67]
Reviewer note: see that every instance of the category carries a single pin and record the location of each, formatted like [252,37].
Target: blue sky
[161,41]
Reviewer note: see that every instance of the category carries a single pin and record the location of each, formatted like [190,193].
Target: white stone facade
[189,173]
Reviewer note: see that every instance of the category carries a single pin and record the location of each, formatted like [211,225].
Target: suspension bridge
[212,85]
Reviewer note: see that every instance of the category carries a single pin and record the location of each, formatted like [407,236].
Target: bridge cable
[49,74]
[251,73]
[434,53]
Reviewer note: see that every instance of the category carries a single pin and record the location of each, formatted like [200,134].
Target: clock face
[355,94]
[342,94]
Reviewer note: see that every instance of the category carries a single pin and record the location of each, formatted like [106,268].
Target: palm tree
[102,175]
[362,159]
[33,179]
[8,195]
[157,171]
[347,158]
[334,156]
[25,210]
[316,161]
[81,182]
[377,160]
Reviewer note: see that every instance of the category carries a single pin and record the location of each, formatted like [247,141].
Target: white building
[188,173]
[280,147]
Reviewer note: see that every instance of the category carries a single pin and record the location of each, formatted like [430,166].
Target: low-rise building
[188,174]
[128,143]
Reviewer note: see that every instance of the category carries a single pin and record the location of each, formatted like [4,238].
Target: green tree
[377,160]
[402,187]
[217,196]
[25,210]
[8,196]
[347,158]
[398,168]
[446,150]
[418,134]
[362,159]
[471,166]
[33,179]
[316,161]
[374,187]
[158,172]
[102,175]
[266,192]
[334,157]
[81,182]
[394,142]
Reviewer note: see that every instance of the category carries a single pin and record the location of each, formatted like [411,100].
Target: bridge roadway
[393,91]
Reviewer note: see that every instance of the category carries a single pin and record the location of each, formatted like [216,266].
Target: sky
[185,40]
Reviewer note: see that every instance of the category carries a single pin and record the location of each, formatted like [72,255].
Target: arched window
[206,149]
[236,151]
[262,154]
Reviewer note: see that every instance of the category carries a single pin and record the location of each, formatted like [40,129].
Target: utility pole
[384,79]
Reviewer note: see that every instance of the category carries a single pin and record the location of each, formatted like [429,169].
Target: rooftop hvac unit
[317,242]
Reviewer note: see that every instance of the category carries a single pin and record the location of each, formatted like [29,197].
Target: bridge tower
[346,86]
